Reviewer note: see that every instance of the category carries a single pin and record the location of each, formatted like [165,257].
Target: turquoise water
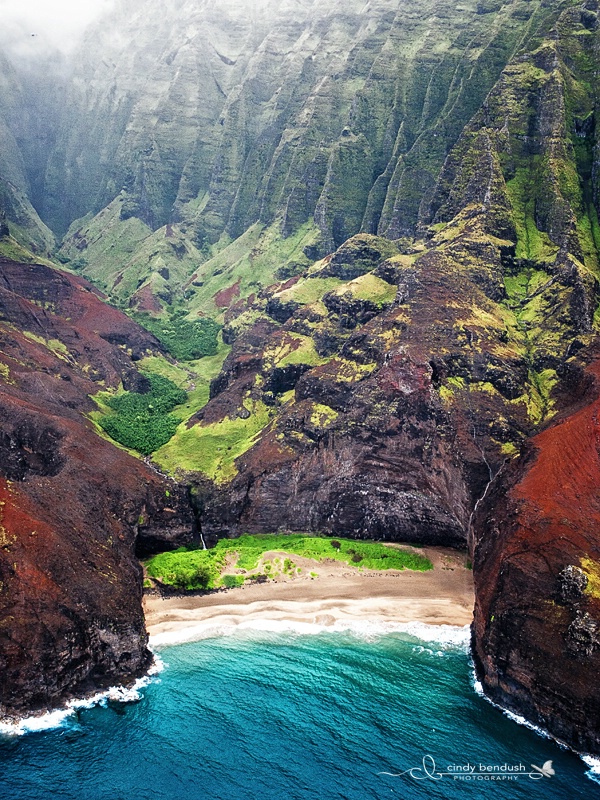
[280,715]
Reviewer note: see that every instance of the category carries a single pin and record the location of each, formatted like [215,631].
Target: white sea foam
[57,718]
[593,763]
[444,635]
[478,686]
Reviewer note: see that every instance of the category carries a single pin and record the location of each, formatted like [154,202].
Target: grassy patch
[370,287]
[540,405]
[185,340]
[253,259]
[292,348]
[350,371]
[309,290]
[55,346]
[193,377]
[322,416]
[531,242]
[524,285]
[592,571]
[212,449]
[10,248]
[206,569]
[107,242]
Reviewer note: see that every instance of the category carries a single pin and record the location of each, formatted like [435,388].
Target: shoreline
[340,598]
[54,717]
[436,605]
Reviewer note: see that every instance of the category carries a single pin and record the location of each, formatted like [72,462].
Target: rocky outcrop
[73,506]
[384,424]
[536,563]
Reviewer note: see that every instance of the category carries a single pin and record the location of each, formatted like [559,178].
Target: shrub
[231,581]
[194,577]
[185,340]
[142,422]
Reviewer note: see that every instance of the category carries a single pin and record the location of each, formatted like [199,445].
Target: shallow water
[262,714]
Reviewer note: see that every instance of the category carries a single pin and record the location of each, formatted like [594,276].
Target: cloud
[30,28]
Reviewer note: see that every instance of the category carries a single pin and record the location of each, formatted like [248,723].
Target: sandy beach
[340,595]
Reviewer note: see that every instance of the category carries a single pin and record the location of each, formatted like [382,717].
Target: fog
[34,28]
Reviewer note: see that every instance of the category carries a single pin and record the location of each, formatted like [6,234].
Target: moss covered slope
[404,373]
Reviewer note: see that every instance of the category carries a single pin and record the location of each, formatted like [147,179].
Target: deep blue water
[269,716]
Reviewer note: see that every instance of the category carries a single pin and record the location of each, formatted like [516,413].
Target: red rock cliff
[536,633]
[71,503]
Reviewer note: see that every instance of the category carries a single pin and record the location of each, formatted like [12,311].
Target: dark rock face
[371,444]
[536,634]
[358,255]
[72,505]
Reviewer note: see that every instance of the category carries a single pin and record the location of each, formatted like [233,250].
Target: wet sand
[339,596]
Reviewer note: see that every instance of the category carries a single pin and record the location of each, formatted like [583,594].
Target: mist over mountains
[221,115]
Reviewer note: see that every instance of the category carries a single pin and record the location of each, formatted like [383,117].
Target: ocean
[281,715]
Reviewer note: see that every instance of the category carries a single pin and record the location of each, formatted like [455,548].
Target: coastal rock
[536,634]
[73,507]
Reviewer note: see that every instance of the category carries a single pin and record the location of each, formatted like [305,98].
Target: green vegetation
[531,298]
[108,242]
[523,285]
[309,290]
[58,348]
[347,371]
[212,449]
[531,242]
[10,248]
[142,422]
[185,340]
[292,348]
[370,287]
[453,384]
[592,572]
[193,377]
[253,261]
[211,569]
[322,416]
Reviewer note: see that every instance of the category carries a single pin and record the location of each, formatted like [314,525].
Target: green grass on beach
[233,561]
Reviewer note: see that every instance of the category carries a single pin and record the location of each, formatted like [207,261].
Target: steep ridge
[535,635]
[72,505]
[18,217]
[322,119]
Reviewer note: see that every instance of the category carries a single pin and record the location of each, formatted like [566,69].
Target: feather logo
[545,770]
